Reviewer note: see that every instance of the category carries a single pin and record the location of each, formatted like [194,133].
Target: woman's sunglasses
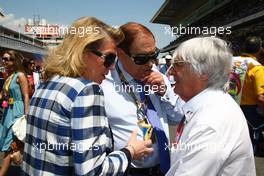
[5,59]
[109,59]
[142,59]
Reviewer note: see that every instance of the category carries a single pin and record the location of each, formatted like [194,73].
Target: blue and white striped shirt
[68,132]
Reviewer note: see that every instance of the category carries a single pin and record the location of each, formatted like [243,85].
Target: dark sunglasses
[109,59]
[142,59]
[5,59]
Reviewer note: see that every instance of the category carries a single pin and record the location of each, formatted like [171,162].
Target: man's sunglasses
[109,59]
[5,59]
[142,59]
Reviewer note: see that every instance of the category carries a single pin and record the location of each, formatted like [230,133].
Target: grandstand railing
[12,43]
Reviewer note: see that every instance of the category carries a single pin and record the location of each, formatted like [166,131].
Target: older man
[212,138]
[138,95]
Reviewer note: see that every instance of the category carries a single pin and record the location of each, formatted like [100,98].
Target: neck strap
[141,105]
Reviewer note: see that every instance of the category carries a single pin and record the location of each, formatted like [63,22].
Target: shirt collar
[194,104]
[127,76]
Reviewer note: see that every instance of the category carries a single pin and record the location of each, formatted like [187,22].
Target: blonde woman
[68,132]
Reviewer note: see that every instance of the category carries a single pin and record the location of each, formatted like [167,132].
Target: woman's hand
[139,149]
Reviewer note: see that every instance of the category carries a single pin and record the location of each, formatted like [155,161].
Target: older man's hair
[209,56]
[131,31]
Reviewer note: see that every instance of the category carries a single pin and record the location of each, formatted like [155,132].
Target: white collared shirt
[122,113]
[215,139]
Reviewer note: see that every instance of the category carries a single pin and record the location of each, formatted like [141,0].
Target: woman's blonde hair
[67,58]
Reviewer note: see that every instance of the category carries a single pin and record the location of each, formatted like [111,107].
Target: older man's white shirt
[215,139]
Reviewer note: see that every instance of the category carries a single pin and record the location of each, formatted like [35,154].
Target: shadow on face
[99,61]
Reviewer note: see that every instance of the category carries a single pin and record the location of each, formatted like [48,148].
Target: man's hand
[156,82]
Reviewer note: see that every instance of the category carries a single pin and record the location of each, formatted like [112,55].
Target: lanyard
[179,131]
[142,109]
[141,105]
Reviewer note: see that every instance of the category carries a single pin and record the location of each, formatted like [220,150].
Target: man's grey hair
[209,56]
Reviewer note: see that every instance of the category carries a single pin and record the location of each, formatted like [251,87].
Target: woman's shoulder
[89,87]
[77,86]
[20,74]
[79,83]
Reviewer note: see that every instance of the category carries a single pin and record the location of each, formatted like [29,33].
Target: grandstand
[242,17]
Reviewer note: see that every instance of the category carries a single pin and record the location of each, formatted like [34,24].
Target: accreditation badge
[146,128]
